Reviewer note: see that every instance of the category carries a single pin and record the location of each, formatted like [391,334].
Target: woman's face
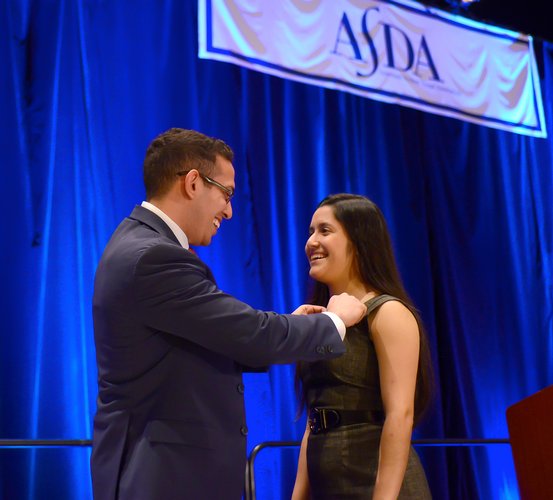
[329,250]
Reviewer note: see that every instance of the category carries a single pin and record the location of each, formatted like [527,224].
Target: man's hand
[309,309]
[347,307]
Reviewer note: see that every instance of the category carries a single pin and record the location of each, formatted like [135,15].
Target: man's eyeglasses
[229,192]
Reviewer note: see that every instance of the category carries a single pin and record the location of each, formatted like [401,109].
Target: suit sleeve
[174,294]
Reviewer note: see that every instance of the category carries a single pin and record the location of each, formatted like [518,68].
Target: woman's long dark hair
[368,233]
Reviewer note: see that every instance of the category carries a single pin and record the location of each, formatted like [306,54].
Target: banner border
[539,130]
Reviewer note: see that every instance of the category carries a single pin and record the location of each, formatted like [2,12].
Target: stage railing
[250,493]
[43,443]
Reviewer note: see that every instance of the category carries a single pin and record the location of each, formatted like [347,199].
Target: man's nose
[227,212]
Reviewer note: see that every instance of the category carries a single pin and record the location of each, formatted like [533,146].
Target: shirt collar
[177,231]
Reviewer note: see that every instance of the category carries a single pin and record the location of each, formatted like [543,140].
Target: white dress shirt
[177,231]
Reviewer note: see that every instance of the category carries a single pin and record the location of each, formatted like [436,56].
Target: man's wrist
[340,326]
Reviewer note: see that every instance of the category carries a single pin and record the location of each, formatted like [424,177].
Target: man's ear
[189,184]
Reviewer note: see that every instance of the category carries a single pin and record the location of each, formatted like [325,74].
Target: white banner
[393,51]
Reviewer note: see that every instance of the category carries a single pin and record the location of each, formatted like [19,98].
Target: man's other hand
[347,307]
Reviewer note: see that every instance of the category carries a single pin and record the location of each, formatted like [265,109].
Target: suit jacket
[170,421]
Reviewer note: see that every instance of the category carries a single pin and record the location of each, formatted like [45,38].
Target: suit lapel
[148,217]
[145,216]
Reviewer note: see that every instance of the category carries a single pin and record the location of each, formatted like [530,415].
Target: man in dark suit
[170,345]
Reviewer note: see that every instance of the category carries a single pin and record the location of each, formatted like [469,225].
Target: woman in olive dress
[363,405]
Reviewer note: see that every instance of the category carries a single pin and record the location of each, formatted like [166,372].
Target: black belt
[323,419]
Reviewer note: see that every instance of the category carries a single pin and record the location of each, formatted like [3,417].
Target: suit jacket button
[240,388]
[244,430]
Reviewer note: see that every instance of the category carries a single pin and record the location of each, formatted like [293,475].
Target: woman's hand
[309,309]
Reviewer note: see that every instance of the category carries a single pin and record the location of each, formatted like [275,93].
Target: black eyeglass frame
[229,192]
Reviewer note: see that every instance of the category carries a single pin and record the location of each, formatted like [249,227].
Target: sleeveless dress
[343,462]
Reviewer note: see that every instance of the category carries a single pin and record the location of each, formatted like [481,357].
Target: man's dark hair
[177,150]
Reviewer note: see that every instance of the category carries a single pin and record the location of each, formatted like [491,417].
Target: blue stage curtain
[87,84]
